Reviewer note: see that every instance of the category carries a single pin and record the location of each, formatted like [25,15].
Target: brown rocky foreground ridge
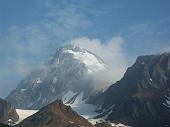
[55,114]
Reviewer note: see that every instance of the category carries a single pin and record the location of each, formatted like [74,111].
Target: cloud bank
[112,54]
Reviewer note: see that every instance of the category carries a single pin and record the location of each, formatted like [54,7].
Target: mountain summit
[65,75]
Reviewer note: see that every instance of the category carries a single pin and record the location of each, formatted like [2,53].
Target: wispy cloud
[113,55]
[147,37]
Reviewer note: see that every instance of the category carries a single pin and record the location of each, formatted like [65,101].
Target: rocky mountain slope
[7,112]
[65,75]
[142,97]
[56,114]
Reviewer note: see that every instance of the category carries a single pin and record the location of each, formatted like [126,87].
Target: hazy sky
[32,29]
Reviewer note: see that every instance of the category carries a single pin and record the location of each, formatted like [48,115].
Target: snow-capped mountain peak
[92,62]
[67,69]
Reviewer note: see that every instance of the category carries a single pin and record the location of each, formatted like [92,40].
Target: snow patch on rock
[37,81]
[69,95]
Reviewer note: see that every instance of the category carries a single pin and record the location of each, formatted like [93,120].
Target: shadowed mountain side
[142,96]
[7,112]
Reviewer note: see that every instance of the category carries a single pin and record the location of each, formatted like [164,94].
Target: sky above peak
[30,30]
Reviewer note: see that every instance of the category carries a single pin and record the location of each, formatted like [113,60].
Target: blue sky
[32,29]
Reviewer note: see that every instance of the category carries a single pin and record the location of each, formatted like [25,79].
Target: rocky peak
[55,114]
[142,96]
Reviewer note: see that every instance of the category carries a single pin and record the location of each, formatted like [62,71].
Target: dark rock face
[7,111]
[142,97]
[55,114]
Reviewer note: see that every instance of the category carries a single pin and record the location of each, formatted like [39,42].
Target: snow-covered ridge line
[91,62]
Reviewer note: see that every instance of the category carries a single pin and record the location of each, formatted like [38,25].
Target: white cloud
[69,18]
[112,54]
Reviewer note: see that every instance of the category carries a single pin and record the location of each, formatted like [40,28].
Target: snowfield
[23,114]
[79,105]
